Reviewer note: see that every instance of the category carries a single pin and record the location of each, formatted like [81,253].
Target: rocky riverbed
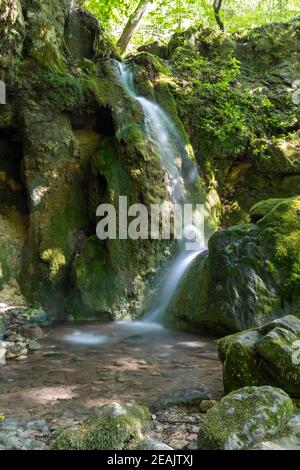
[79,367]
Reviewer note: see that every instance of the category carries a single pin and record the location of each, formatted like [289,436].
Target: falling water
[163,133]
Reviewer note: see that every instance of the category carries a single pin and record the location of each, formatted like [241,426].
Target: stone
[14,350]
[268,355]
[249,277]
[2,353]
[114,426]
[186,396]
[21,358]
[31,331]
[178,444]
[33,345]
[245,416]
[153,444]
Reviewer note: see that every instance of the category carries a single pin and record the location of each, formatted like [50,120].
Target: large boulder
[248,415]
[112,427]
[250,275]
[267,355]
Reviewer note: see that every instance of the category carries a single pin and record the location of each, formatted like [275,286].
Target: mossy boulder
[279,156]
[243,417]
[250,275]
[112,427]
[269,355]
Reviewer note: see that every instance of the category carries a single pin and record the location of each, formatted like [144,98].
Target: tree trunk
[217,8]
[132,24]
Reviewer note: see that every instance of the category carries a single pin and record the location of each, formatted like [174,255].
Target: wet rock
[267,355]
[245,416]
[189,396]
[15,350]
[33,345]
[153,444]
[249,276]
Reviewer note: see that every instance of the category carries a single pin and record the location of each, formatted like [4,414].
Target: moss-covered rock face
[112,427]
[243,417]
[250,275]
[233,94]
[70,140]
[269,355]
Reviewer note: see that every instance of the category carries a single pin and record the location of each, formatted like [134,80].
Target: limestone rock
[250,275]
[267,355]
[112,427]
[245,416]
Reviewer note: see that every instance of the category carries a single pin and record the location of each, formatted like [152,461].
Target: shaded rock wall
[250,275]
[76,141]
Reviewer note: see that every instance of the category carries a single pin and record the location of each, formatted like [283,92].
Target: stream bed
[82,366]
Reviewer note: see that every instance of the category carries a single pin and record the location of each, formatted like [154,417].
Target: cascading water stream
[162,132]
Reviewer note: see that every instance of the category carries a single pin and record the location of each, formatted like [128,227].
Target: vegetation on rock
[250,414]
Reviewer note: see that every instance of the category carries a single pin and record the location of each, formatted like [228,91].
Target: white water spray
[170,146]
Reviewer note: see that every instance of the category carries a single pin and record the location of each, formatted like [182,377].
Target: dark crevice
[12,188]
[101,121]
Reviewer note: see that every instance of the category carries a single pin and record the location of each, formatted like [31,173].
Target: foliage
[165,17]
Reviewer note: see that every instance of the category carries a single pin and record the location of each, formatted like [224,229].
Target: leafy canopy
[164,17]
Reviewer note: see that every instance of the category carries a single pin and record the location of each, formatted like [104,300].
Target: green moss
[241,366]
[265,356]
[107,432]
[245,416]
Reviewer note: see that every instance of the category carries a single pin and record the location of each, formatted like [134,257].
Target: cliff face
[70,139]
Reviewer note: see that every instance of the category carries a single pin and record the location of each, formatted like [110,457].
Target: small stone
[40,425]
[120,363]
[16,338]
[206,405]
[178,444]
[31,331]
[15,350]
[21,358]
[153,444]
[2,355]
[33,345]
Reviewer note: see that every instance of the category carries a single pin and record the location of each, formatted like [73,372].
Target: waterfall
[169,145]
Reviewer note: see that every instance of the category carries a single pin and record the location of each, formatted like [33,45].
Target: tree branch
[217,7]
